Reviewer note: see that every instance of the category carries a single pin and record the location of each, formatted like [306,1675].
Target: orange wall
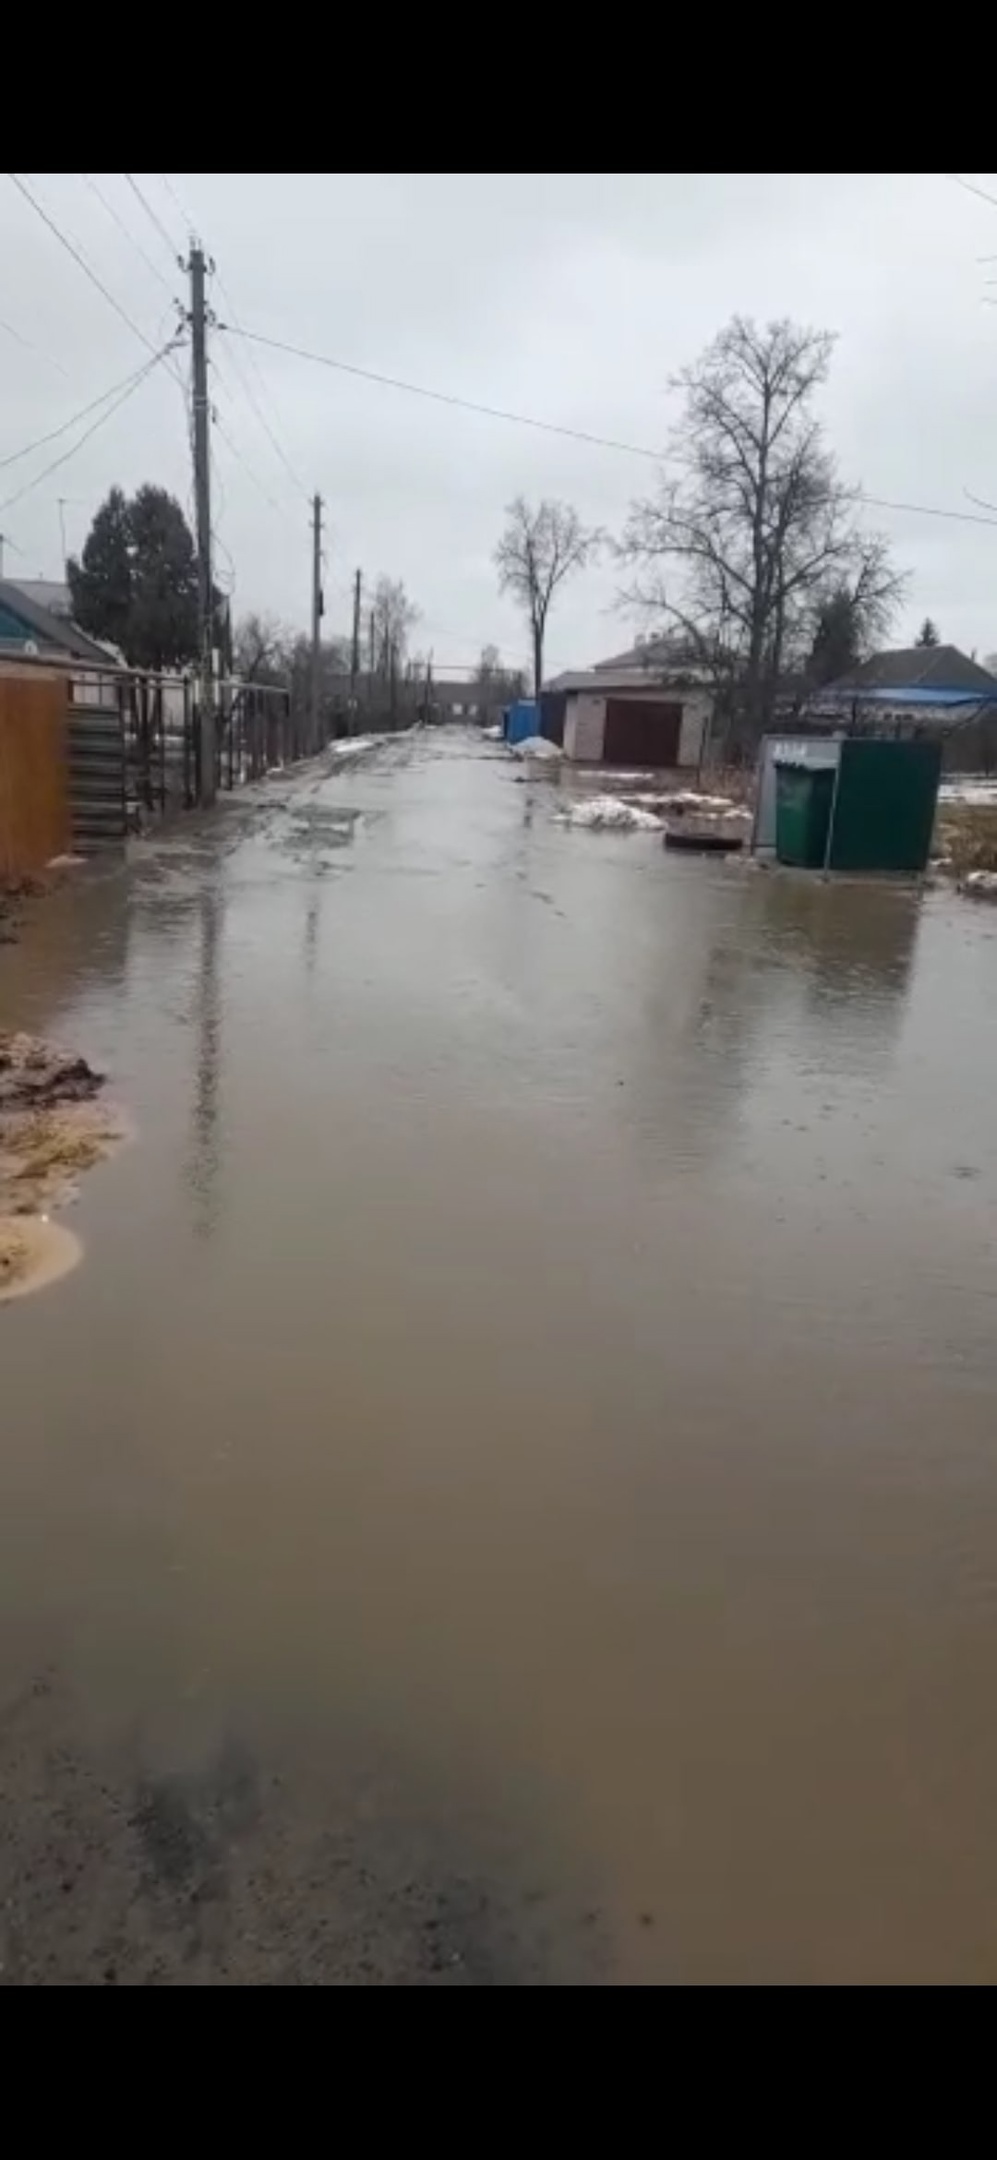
[34,790]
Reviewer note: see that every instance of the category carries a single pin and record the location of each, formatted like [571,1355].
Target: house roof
[653,661]
[50,593]
[50,632]
[610,676]
[919,667]
[649,654]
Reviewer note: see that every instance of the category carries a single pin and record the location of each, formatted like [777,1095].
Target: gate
[96,761]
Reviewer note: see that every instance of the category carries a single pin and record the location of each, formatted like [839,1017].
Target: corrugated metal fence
[135,747]
[89,755]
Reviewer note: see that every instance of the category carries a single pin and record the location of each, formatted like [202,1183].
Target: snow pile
[980,884]
[536,746]
[351,745]
[704,805]
[491,734]
[972,794]
[609,813]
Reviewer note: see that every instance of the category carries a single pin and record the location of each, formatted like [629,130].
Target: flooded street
[510,1493]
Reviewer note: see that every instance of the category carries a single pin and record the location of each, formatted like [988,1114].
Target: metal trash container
[803,798]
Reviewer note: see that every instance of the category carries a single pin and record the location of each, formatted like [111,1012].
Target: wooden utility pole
[202,500]
[316,667]
[355,647]
[371,656]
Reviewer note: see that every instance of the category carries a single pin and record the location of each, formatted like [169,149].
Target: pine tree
[101,583]
[135,585]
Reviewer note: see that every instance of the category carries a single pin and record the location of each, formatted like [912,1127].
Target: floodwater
[511,1492]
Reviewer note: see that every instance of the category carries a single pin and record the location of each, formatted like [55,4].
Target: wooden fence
[34,794]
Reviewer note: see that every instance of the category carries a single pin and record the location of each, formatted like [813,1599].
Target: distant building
[918,690]
[650,706]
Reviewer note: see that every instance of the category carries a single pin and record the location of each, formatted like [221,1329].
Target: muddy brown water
[511,1493]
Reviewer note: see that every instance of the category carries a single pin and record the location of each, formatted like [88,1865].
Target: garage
[641,731]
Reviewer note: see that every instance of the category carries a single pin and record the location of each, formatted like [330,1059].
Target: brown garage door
[641,732]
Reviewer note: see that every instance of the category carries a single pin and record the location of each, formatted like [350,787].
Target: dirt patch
[33,1253]
[966,838]
[50,1128]
[14,1256]
[34,1072]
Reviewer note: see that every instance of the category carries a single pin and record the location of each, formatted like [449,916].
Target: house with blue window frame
[30,629]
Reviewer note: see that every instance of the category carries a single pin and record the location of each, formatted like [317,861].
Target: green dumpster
[803,798]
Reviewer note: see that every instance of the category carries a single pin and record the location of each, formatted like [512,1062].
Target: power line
[246,385]
[100,422]
[552,427]
[171,190]
[961,517]
[972,189]
[294,477]
[151,213]
[74,251]
[442,397]
[244,462]
[123,228]
[40,441]
[36,349]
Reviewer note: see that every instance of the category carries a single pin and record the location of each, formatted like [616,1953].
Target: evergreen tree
[135,585]
[101,582]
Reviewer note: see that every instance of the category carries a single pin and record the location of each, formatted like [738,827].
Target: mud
[49,1131]
[34,1253]
[118,1870]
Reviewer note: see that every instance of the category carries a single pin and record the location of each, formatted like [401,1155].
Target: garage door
[641,732]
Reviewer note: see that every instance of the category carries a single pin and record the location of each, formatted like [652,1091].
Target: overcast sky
[569,296]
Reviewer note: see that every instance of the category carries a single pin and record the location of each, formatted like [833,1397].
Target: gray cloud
[570,296]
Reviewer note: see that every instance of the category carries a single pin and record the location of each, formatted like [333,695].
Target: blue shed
[521,720]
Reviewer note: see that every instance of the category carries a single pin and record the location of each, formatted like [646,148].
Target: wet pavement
[510,1493]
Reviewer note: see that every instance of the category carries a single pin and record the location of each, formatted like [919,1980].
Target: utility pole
[355,647]
[371,656]
[313,717]
[202,498]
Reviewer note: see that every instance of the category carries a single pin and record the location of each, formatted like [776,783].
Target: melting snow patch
[352,744]
[536,746]
[608,813]
[975,794]
[491,734]
[980,884]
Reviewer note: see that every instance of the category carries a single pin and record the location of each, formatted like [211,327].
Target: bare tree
[928,634]
[752,529]
[538,550]
[395,616]
[262,649]
[494,684]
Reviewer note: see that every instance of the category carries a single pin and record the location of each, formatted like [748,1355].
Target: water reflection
[203,1164]
[833,960]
